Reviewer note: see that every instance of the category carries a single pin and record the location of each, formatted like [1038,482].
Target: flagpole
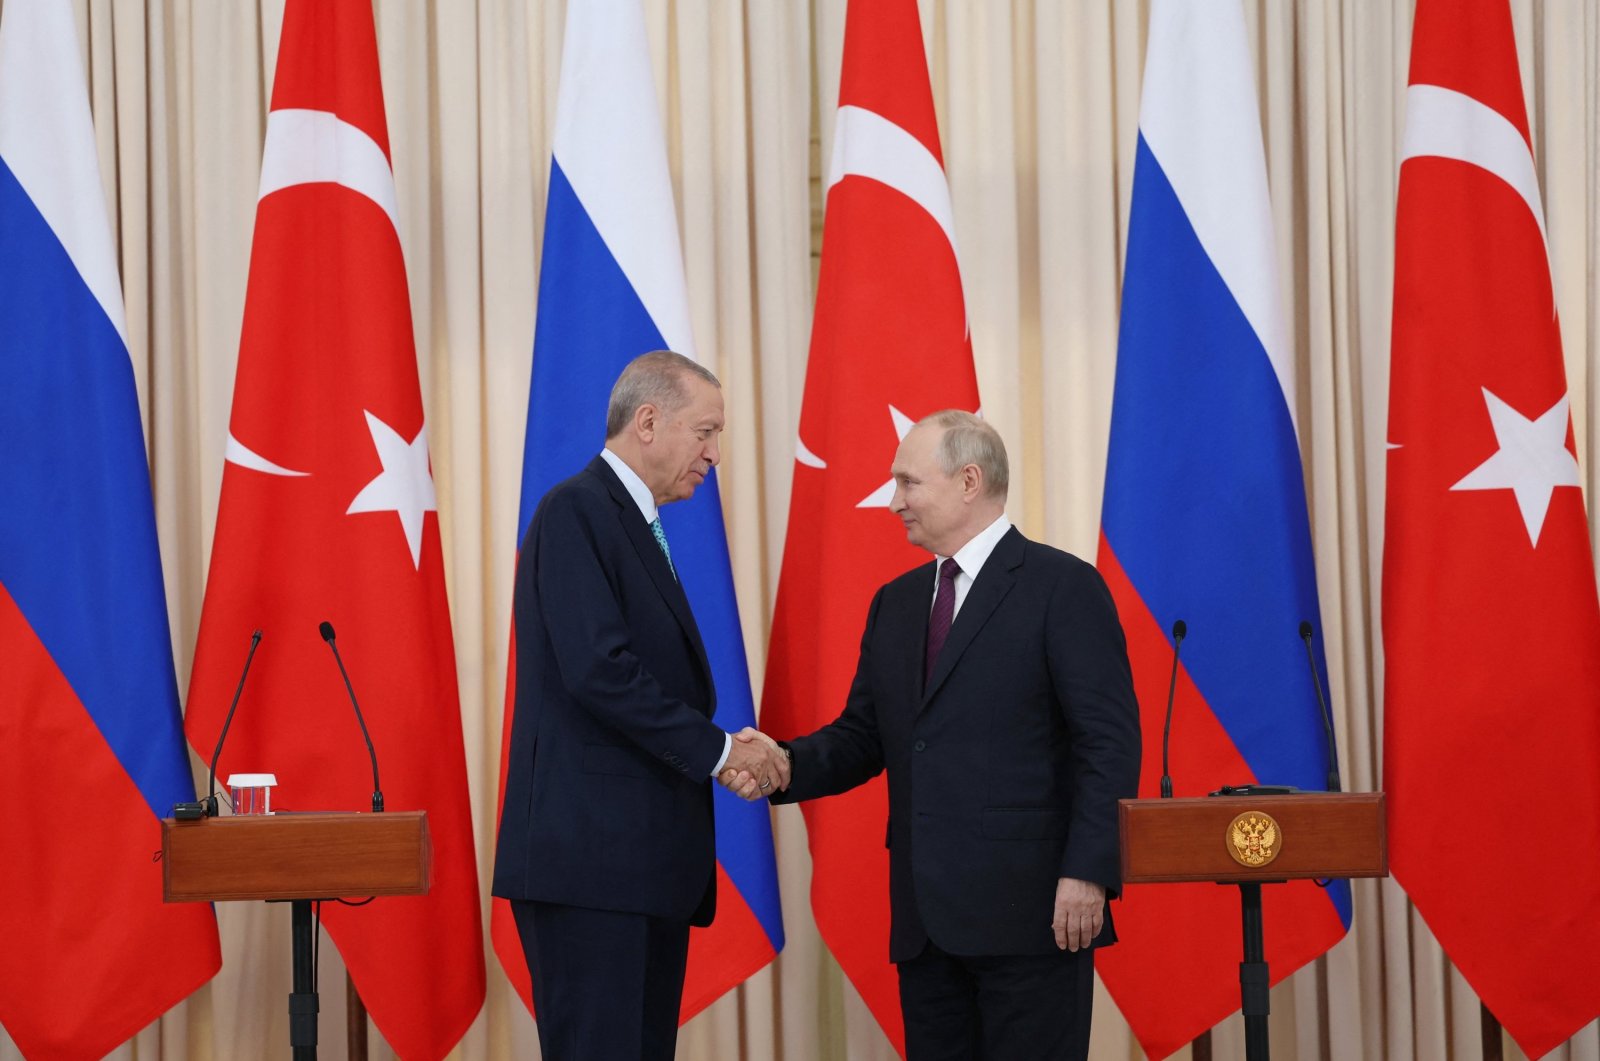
[355,1015]
[1489,1025]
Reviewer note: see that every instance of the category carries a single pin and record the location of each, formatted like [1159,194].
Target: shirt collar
[635,486]
[972,556]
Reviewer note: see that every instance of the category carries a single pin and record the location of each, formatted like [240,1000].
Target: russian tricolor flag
[1205,515]
[91,749]
[611,287]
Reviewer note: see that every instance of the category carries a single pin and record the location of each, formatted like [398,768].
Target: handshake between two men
[756,766]
[956,681]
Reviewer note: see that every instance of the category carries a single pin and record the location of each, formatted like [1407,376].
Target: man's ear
[971,481]
[645,421]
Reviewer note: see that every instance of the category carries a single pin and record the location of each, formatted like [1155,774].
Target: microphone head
[1305,630]
[326,629]
[1180,630]
[255,637]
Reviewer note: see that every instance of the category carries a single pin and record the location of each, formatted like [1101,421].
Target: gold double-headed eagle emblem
[1252,839]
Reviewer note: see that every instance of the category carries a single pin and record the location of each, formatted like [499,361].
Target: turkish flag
[328,513]
[889,345]
[1490,622]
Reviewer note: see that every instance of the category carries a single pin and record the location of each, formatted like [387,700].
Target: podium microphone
[1180,629]
[207,808]
[326,629]
[1327,720]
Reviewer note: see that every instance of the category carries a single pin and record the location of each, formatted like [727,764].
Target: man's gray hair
[656,379]
[969,439]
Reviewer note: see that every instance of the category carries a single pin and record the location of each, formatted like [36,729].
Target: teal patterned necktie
[661,540]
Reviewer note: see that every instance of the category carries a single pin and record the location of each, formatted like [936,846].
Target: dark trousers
[606,985]
[1032,1007]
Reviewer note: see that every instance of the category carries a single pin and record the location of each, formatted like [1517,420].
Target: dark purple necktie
[944,610]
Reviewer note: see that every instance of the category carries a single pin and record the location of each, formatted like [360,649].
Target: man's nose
[713,453]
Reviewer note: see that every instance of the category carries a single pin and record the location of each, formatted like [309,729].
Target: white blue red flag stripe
[88,696]
[611,287]
[1205,514]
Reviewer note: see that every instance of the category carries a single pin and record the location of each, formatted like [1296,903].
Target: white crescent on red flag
[889,345]
[1491,627]
[328,513]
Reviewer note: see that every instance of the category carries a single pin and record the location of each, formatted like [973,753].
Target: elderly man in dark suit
[606,848]
[994,686]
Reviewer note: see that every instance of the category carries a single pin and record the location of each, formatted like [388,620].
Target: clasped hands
[756,766]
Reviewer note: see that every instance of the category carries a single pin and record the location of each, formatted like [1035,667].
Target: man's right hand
[756,766]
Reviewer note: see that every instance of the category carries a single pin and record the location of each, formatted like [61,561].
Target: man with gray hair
[606,848]
[993,685]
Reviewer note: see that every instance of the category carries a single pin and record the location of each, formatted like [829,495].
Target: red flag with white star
[328,513]
[888,346]
[1490,621]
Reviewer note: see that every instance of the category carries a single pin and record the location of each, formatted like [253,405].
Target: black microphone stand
[326,630]
[211,782]
[207,808]
[1327,717]
[1179,630]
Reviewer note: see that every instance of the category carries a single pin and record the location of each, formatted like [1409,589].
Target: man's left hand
[1080,911]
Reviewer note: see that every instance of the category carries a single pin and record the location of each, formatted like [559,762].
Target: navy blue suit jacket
[608,784]
[1004,773]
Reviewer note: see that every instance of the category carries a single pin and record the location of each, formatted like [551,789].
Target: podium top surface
[296,856]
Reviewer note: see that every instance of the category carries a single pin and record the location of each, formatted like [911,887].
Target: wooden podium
[1251,840]
[298,859]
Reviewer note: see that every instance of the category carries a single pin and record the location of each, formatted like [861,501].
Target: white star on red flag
[881,497]
[404,487]
[1531,462]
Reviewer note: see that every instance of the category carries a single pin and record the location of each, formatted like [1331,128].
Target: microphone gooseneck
[1180,629]
[1327,719]
[326,630]
[211,781]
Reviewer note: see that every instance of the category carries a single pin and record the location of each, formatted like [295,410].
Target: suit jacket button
[919,746]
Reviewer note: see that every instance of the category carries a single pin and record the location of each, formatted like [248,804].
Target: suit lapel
[655,562]
[910,613]
[999,574]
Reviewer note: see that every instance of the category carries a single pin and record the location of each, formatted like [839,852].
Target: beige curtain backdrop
[1038,105]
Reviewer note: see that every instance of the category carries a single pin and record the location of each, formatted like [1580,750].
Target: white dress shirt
[635,486]
[647,508]
[970,558]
